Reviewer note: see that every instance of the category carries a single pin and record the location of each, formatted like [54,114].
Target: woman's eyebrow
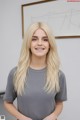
[35,36]
[45,37]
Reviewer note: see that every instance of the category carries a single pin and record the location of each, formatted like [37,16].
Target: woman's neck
[38,63]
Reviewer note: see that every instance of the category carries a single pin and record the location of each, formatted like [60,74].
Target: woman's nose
[40,42]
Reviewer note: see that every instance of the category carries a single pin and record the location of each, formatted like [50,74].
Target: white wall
[10,44]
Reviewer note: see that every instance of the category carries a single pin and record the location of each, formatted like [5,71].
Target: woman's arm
[12,110]
[58,108]
[56,113]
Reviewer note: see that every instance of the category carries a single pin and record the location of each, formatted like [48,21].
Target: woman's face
[39,44]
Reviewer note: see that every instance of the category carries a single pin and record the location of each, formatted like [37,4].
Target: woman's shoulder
[11,75]
[62,75]
[13,70]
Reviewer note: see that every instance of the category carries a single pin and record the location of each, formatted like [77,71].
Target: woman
[36,82]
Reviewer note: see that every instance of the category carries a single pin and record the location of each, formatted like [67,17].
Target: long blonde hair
[52,82]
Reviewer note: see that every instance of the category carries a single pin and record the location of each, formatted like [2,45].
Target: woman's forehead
[40,32]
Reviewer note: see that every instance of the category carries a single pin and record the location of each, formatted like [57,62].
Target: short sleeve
[62,94]
[10,93]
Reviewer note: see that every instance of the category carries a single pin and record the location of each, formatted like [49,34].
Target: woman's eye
[33,39]
[45,39]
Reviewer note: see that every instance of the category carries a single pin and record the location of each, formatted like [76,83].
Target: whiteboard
[62,17]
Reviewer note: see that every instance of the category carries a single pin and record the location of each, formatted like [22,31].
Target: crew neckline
[39,69]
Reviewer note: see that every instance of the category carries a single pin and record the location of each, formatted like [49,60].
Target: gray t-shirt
[35,102]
